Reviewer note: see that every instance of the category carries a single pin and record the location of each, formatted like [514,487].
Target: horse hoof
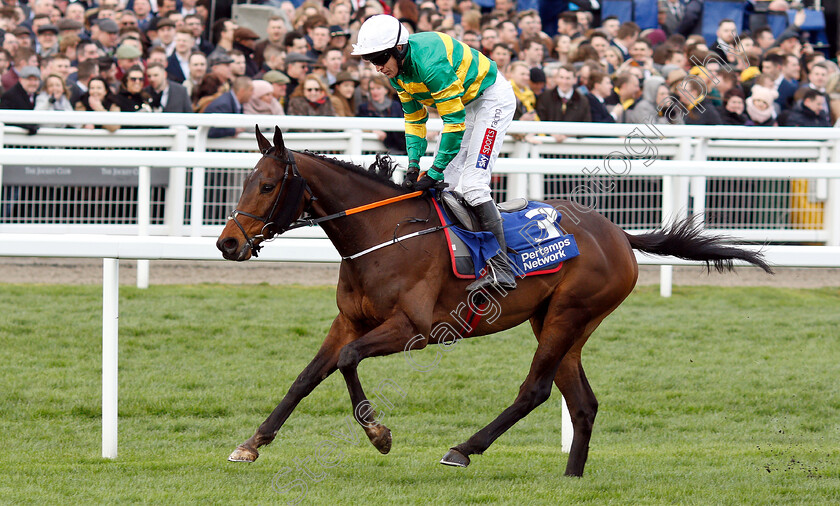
[382,442]
[243,454]
[455,458]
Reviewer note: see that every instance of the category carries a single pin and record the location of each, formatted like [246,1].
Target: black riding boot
[499,273]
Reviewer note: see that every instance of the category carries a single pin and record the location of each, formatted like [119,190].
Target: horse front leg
[390,337]
[324,364]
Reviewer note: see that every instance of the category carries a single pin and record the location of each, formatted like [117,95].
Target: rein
[298,185]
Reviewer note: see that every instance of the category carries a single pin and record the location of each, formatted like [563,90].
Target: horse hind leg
[583,406]
[558,335]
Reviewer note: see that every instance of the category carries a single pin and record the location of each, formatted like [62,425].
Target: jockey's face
[390,69]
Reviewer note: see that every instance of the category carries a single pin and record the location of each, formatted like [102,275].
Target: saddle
[534,246]
[462,214]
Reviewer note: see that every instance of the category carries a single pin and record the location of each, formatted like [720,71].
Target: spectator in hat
[537,80]
[263,101]
[22,95]
[105,34]
[22,58]
[339,37]
[178,64]
[297,67]
[275,31]
[220,67]
[278,81]
[760,106]
[23,38]
[198,69]
[167,96]
[231,103]
[343,97]
[127,56]
[244,41]
[68,27]
[382,104]
[166,35]
[47,42]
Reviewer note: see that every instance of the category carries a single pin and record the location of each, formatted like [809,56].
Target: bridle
[297,188]
[274,226]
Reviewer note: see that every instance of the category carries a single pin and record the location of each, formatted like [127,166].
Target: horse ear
[278,140]
[262,142]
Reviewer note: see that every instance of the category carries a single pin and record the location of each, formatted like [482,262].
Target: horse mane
[380,170]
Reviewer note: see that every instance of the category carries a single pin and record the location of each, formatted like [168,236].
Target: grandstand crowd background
[567,61]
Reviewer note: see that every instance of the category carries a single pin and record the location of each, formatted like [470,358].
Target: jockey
[433,69]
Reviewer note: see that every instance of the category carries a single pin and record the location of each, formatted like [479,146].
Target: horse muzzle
[233,249]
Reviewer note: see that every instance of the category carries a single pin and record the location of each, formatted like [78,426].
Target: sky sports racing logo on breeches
[486,149]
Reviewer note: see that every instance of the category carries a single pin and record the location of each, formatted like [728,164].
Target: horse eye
[267,188]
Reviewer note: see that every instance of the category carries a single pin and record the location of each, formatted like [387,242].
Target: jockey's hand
[411,178]
[426,182]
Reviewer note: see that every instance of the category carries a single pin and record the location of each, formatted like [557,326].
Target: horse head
[273,197]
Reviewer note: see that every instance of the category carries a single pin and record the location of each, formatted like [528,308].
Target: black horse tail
[684,239]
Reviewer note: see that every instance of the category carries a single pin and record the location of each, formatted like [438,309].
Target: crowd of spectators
[163,56]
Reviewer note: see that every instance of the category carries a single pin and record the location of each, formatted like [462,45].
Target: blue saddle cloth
[534,234]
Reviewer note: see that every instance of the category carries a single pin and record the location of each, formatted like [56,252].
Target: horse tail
[684,239]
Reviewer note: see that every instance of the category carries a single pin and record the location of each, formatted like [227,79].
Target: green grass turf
[713,396]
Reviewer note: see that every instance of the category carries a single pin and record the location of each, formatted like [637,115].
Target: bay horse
[397,298]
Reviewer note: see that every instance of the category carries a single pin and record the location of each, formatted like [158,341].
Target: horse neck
[337,189]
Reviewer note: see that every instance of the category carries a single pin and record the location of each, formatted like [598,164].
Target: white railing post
[198,176]
[831,211]
[536,189]
[144,218]
[2,147]
[517,184]
[698,183]
[173,215]
[110,354]
[567,430]
[355,146]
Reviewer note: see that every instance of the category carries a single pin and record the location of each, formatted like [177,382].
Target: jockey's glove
[411,177]
[426,182]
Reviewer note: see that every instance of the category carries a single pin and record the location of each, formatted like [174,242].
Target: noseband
[276,225]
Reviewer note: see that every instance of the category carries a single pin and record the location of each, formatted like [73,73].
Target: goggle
[379,59]
[382,57]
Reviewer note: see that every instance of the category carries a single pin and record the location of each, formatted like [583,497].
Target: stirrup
[494,277]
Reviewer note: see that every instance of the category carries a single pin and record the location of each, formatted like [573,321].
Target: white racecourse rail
[682,158]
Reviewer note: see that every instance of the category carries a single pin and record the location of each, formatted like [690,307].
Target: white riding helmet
[379,33]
